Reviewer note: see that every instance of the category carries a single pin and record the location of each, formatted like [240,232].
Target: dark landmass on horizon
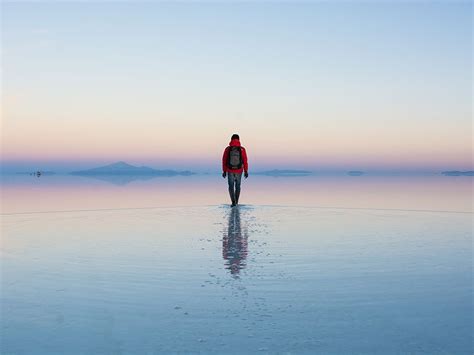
[458,173]
[122,168]
[35,172]
[355,173]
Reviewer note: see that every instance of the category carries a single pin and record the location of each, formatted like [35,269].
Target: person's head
[235,136]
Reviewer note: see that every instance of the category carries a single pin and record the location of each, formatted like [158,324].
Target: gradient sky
[316,85]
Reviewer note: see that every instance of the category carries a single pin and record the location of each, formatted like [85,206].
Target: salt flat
[211,279]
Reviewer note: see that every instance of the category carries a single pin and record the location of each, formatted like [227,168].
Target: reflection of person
[234,162]
[234,244]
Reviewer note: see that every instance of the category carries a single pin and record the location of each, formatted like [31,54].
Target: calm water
[62,192]
[305,265]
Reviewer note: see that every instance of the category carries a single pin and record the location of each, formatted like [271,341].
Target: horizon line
[22,166]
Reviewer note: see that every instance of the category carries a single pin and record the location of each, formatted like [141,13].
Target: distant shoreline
[124,169]
[458,173]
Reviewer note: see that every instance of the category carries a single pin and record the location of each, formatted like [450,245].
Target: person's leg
[238,179]
[231,181]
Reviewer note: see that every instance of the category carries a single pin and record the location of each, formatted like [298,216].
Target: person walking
[234,163]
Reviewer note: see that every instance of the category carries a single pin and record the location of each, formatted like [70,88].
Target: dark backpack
[234,159]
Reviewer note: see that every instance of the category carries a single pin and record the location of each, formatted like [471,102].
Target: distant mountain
[122,168]
[458,173]
[355,173]
[285,172]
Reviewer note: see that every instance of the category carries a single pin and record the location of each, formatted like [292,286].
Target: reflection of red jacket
[225,156]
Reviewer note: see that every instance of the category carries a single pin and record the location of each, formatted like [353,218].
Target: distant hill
[285,172]
[355,173]
[122,168]
[458,173]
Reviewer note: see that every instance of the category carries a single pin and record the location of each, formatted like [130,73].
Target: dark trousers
[234,186]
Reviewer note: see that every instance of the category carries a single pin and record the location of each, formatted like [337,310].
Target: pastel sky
[318,85]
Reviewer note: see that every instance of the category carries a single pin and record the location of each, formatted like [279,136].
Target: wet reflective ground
[331,265]
[253,279]
[22,193]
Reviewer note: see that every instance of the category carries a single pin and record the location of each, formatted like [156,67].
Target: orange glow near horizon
[54,140]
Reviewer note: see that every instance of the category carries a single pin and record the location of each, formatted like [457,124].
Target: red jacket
[225,168]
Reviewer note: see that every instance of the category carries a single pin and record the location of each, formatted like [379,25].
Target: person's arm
[246,163]
[224,160]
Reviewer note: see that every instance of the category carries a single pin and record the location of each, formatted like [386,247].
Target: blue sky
[339,85]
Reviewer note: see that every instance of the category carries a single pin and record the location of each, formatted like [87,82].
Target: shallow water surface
[252,279]
[24,193]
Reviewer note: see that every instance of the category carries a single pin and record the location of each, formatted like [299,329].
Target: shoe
[233,204]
